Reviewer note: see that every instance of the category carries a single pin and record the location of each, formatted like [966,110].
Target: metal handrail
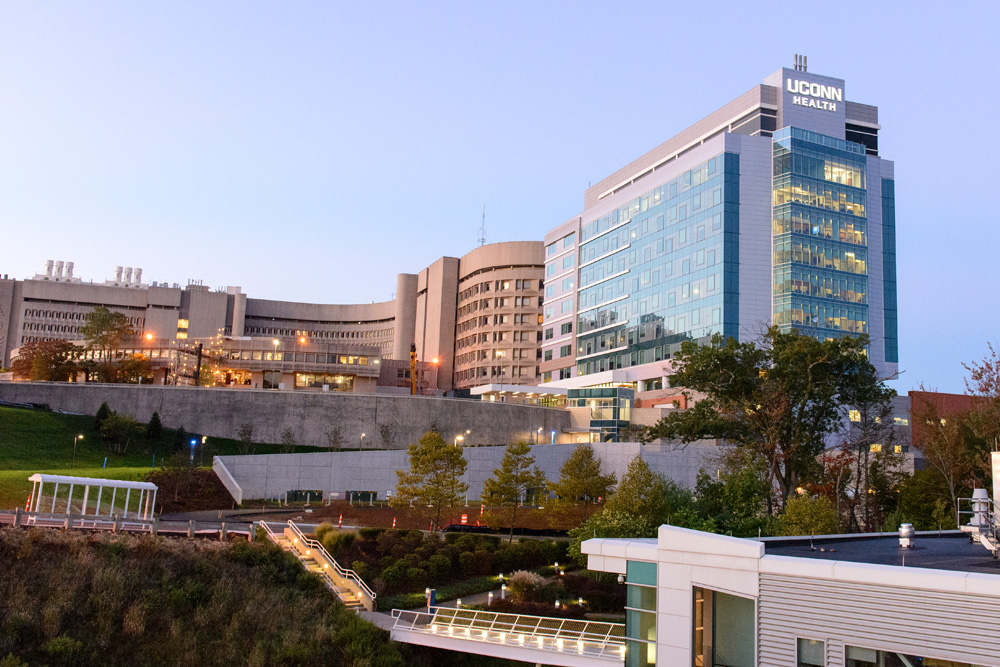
[343,572]
[982,515]
[595,638]
[323,575]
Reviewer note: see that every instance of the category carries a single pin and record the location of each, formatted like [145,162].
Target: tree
[245,436]
[103,413]
[154,428]
[808,515]
[119,431]
[946,443]
[105,332]
[581,483]
[778,396]
[45,360]
[335,437]
[434,477]
[984,383]
[641,492]
[509,485]
[134,369]
[287,441]
[737,497]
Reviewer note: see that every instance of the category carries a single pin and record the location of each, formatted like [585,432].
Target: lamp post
[274,360]
[501,354]
[194,443]
[362,443]
[75,439]
[457,438]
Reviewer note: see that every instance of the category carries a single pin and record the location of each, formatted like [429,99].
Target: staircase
[345,584]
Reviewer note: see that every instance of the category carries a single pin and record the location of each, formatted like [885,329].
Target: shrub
[154,428]
[509,606]
[467,563]
[524,585]
[338,542]
[484,562]
[322,530]
[438,567]
[394,577]
[416,577]
[370,534]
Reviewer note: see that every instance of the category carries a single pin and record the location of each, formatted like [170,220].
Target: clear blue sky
[312,150]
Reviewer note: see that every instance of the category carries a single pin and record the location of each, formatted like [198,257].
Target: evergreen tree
[434,477]
[154,429]
[581,483]
[510,483]
[103,413]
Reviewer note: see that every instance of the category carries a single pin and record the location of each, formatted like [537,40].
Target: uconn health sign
[814,95]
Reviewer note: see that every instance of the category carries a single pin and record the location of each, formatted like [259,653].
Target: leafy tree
[119,431]
[434,477]
[984,383]
[641,492]
[45,360]
[245,436]
[737,497]
[134,369]
[778,396]
[154,428]
[509,485]
[925,501]
[103,413]
[105,332]
[808,515]
[581,483]
[947,445]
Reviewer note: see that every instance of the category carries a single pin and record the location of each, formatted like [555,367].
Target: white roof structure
[91,481]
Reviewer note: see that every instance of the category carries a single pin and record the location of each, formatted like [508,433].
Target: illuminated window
[182,324]
[181,335]
[854,415]
[901,421]
[876,447]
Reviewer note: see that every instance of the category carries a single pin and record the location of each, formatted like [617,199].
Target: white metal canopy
[143,508]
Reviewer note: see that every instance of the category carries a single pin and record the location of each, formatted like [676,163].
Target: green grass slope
[69,598]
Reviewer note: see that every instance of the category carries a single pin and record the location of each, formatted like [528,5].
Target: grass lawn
[38,441]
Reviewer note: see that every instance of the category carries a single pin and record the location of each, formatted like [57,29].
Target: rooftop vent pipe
[906,535]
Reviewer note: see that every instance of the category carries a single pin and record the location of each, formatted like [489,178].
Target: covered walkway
[538,639]
[45,496]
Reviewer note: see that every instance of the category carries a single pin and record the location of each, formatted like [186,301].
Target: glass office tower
[775,209]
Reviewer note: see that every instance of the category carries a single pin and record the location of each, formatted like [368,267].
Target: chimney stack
[59,269]
[128,275]
[138,276]
[118,274]
[48,267]
[69,269]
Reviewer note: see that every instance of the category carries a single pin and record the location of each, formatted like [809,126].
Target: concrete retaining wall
[388,422]
[272,475]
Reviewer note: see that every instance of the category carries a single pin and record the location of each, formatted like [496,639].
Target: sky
[310,151]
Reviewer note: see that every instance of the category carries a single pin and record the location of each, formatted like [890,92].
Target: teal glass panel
[637,572]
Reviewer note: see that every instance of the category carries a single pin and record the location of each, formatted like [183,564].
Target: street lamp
[538,437]
[194,442]
[362,445]
[501,354]
[274,359]
[457,438]
[75,438]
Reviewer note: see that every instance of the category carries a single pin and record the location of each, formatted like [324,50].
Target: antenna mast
[482,228]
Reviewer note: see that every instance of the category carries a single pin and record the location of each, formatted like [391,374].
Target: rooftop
[948,550]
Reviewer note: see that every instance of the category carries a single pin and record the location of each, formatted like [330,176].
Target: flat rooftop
[949,550]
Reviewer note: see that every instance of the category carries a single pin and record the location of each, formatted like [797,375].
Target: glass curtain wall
[640,614]
[820,234]
[651,272]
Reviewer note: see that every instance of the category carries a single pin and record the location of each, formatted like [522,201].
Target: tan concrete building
[425,313]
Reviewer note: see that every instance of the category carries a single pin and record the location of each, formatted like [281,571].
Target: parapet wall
[388,422]
[272,475]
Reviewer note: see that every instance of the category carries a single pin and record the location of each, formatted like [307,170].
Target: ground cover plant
[405,562]
[69,598]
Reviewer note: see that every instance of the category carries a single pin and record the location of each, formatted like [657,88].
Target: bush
[467,563]
[483,561]
[103,413]
[322,530]
[370,534]
[509,606]
[154,428]
[438,567]
[524,585]
[416,577]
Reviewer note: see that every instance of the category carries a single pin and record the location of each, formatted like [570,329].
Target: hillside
[78,599]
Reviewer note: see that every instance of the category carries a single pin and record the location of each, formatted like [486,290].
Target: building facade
[484,306]
[775,209]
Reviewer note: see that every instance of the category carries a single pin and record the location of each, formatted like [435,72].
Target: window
[568,241]
[876,447]
[854,415]
[867,657]
[547,355]
[565,350]
[566,328]
[549,333]
[566,306]
[811,653]
[567,261]
[640,613]
[567,284]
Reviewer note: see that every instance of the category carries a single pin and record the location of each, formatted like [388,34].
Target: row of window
[800,281]
[797,190]
[497,337]
[274,331]
[812,653]
[564,328]
[562,374]
[819,223]
[562,243]
[499,302]
[497,286]
[821,254]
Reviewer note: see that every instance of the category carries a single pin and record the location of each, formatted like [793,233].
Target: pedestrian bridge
[534,639]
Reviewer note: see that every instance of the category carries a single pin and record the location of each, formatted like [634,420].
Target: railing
[116,523]
[302,559]
[344,573]
[227,479]
[982,515]
[595,639]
